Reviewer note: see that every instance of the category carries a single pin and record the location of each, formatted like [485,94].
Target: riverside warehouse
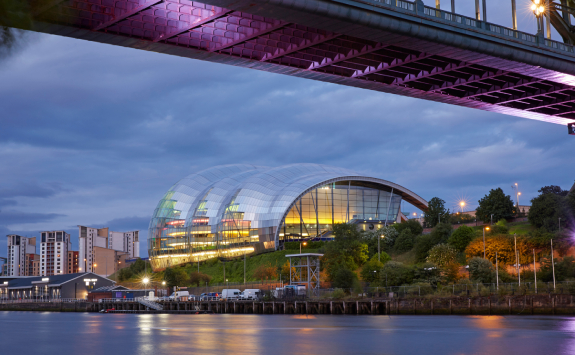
[66,286]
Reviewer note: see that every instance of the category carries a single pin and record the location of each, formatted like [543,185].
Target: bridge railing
[470,22]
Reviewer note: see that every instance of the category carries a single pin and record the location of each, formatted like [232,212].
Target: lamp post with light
[145,282]
[540,9]
[304,244]
[484,229]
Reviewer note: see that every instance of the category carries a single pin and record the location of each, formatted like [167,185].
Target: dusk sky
[93,134]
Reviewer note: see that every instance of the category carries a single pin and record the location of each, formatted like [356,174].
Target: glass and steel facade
[230,210]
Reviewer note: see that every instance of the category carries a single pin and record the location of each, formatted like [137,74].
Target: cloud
[13,217]
[94,134]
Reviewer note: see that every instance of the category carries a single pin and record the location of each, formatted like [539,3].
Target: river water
[147,334]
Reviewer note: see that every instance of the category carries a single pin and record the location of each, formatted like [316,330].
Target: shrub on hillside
[423,245]
[481,270]
[415,227]
[405,241]
[396,274]
[442,255]
[344,278]
[461,237]
[371,271]
[176,276]
[266,272]
[199,279]
[441,233]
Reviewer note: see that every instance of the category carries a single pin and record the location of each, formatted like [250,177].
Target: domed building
[231,210]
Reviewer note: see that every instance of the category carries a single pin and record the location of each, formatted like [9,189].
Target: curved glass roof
[204,204]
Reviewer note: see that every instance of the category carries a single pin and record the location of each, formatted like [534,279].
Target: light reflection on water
[95,334]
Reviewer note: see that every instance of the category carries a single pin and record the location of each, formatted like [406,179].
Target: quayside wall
[508,305]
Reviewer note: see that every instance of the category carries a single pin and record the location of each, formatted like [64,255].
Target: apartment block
[126,242]
[100,247]
[21,252]
[54,253]
[73,262]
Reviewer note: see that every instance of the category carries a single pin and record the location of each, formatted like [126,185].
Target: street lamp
[540,10]
[462,205]
[378,248]
[145,281]
[304,244]
[484,229]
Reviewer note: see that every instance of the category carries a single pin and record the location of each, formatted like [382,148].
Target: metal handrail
[438,14]
[45,300]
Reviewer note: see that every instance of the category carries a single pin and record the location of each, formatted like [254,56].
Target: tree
[405,241]
[175,277]
[546,209]
[481,270]
[553,189]
[371,271]
[423,245]
[436,212]
[412,224]
[564,269]
[442,255]
[347,250]
[441,233]
[344,278]
[496,203]
[198,278]
[266,272]
[502,245]
[390,235]
[124,274]
[396,274]
[285,272]
[461,237]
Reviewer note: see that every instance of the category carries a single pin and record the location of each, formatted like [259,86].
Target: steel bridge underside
[351,43]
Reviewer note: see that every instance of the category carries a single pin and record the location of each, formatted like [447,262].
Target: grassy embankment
[234,268]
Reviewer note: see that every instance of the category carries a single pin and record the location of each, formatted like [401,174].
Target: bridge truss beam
[277,43]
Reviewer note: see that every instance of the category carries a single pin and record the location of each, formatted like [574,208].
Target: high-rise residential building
[73,263]
[54,253]
[36,265]
[124,243]
[21,252]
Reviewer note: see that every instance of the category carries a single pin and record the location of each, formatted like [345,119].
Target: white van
[251,294]
[231,294]
[183,295]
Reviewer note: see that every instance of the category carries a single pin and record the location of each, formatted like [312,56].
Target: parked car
[251,294]
[211,296]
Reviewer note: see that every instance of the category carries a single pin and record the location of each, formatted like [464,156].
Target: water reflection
[96,334]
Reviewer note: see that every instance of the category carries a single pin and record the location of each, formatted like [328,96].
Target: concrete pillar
[357,307]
